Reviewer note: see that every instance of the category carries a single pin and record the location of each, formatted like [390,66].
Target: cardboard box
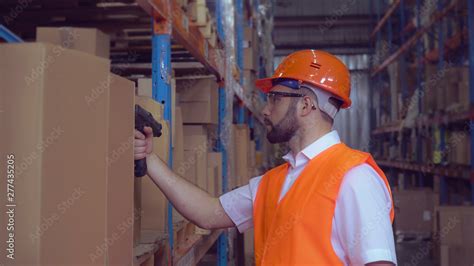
[190,130]
[60,158]
[250,59]
[242,144]
[456,255]
[173,111]
[189,166]
[215,161]
[198,113]
[198,100]
[152,106]
[252,154]
[201,169]
[258,158]
[414,218]
[154,207]
[198,12]
[249,247]
[455,224]
[250,38]
[458,147]
[211,184]
[178,149]
[89,40]
[144,87]
[137,210]
[120,183]
[463,88]
[199,146]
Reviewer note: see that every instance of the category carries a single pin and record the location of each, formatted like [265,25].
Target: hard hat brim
[265,84]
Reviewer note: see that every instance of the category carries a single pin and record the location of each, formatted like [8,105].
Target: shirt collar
[313,149]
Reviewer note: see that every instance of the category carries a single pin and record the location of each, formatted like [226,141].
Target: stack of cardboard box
[69,125]
[197,100]
[153,202]
[456,235]
[244,156]
[89,40]
[458,148]
[446,89]
[414,219]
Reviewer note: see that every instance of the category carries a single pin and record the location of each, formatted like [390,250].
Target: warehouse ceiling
[339,26]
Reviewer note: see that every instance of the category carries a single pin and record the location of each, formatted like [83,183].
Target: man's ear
[307,105]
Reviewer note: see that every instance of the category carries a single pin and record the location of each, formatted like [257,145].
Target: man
[328,205]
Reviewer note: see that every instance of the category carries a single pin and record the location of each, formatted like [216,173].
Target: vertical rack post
[378,81]
[403,69]
[161,90]
[392,175]
[223,238]
[471,86]
[222,241]
[239,30]
[241,114]
[419,56]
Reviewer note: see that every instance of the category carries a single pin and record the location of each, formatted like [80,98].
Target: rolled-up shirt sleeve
[238,204]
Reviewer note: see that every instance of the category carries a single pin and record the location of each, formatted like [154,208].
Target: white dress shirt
[361,231]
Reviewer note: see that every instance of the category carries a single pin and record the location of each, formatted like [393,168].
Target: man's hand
[143,144]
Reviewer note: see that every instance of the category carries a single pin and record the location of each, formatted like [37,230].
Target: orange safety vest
[297,230]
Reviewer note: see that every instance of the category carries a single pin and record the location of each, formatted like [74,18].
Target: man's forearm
[192,202]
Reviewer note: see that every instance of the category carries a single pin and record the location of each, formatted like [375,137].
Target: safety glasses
[275,96]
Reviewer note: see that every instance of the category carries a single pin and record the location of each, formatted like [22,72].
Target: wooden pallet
[183,231]
[153,248]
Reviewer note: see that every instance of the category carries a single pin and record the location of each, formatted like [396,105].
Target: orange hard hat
[318,68]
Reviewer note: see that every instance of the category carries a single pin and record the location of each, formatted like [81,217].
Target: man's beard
[285,129]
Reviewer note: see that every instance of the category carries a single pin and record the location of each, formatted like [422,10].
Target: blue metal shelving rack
[169,22]
[443,10]
[161,91]
[8,36]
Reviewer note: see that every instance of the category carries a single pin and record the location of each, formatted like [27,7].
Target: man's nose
[266,110]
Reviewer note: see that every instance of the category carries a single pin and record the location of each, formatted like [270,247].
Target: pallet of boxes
[153,207]
[244,158]
[455,235]
[67,126]
[194,136]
